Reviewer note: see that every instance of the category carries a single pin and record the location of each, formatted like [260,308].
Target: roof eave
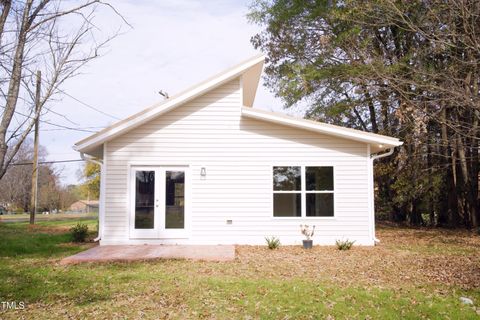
[381,142]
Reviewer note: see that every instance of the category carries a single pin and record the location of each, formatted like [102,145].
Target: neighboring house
[84,206]
[204,167]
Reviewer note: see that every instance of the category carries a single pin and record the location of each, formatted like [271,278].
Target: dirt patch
[48,229]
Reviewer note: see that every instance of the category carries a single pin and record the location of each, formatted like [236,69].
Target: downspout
[92,160]
[382,155]
[372,159]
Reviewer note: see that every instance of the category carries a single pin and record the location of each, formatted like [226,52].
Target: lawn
[413,273]
[47,217]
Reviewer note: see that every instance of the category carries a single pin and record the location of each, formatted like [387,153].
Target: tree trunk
[371,109]
[13,87]
[3,17]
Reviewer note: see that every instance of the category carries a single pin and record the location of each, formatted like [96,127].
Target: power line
[61,115]
[88,105]
[66,118]
[54,124]
[61,129]
[45,162]
[64,129]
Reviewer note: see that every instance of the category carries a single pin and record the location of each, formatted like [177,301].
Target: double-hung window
[303,191]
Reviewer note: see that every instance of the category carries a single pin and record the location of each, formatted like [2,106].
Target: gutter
[92,160]
[373,158]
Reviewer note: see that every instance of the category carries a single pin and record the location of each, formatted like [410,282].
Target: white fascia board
[327,129]
[163,107]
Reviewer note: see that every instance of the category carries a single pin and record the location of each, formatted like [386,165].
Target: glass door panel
[174,199]
[144,199]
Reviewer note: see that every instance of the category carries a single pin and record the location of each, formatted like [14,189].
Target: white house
[204,167]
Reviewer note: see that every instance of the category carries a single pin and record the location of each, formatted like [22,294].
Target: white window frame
[303,191]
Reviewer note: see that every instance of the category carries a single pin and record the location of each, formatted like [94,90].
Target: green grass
[49,217]
[16,240]
[181,289]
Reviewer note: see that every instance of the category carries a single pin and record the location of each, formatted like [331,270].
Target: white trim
[165,106]
[303,192]
[371,195]
[241,94]
[103,190]
[383,142]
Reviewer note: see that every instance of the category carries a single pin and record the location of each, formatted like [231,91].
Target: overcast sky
[173,45]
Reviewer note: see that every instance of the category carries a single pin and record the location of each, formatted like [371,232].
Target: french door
[158,202]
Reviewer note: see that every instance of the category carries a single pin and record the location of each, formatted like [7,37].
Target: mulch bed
[403,257]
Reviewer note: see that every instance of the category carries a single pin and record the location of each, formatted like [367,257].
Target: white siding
[238,154]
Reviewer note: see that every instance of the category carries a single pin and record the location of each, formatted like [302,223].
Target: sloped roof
[250,70]
[378,142]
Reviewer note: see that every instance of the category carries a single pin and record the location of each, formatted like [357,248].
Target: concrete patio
[150,252]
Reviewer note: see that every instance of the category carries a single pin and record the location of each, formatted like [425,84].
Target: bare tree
[56,37]
[16,184]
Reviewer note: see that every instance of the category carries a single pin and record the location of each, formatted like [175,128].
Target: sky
[173,45]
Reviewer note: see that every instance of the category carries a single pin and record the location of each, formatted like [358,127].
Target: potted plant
[308,233]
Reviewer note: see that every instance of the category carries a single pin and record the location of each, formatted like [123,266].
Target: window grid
[303,191]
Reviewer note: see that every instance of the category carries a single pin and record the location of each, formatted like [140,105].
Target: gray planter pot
[307,244]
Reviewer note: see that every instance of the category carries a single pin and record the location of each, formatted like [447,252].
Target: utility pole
[33,199]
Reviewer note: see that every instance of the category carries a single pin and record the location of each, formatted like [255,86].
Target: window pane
[319,204]
[287,205]
[286,178]
[144,199]
[174,199]
[319,178]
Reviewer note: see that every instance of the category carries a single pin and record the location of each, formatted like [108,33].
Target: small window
[287,201]
[314,186]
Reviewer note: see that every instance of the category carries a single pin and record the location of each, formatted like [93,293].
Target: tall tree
[90,189]
[403,68]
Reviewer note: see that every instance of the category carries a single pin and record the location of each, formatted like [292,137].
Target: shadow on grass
[29,274]
[17,240]
[46,283]
[45,240]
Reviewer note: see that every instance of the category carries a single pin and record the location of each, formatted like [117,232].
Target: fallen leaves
[450,258]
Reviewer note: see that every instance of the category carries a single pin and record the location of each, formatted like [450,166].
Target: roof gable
[249,70]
